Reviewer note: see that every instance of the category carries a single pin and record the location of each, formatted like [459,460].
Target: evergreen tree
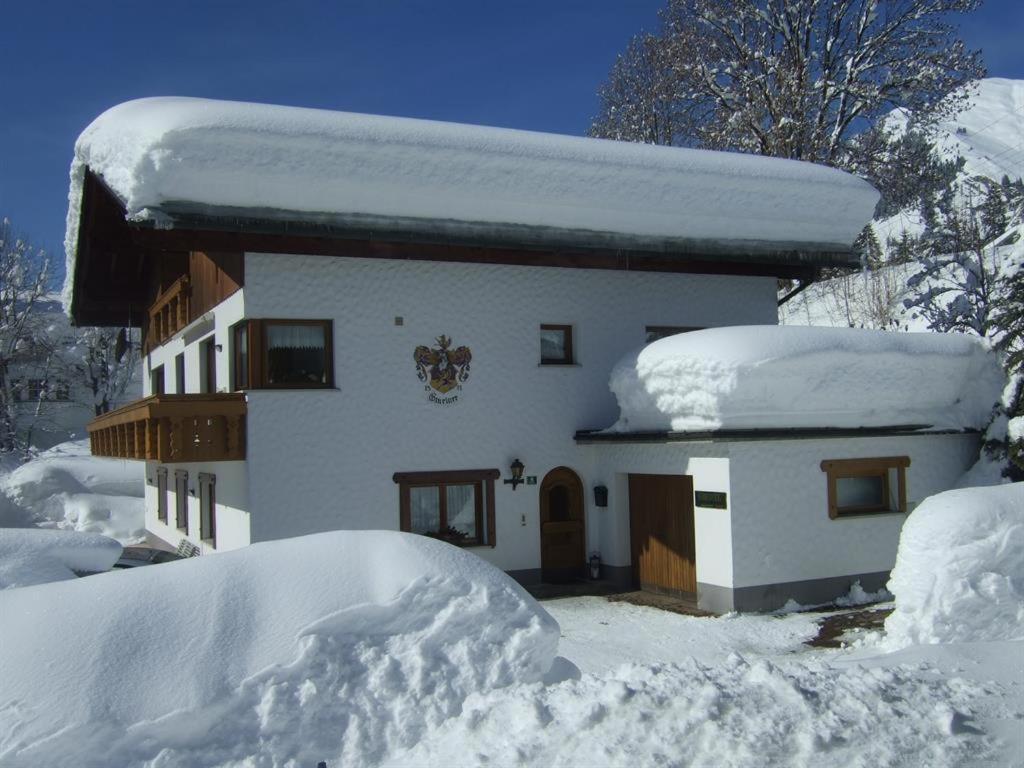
[994,216]
[868,248]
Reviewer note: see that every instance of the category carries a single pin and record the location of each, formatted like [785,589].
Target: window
[61,391]
[36,387]
[156,380]
[556,345]
[179,374]
[456,506]
[866,486]
[208,365]
[161,494]
[240,344]
[283,354]
[207,507]
[181,499]
[655,332]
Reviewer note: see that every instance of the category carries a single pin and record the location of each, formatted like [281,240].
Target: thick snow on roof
[749,377]
[341,646]
[159,153]
[959,574]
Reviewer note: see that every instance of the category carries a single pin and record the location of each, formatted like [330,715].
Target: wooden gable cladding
[210,278]
[214,275]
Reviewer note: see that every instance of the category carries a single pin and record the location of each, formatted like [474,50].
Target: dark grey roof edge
[747,435]
[190,215]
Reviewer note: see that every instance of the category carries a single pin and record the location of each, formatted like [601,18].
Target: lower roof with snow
[761,378]
[186,163]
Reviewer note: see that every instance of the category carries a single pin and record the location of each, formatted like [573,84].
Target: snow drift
[340,646]
[959,574]
[29,556]
[738,714]
[304,164]
[66,487]
[749,377]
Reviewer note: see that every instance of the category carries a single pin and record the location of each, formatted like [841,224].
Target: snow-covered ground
[67,488]
[381,648]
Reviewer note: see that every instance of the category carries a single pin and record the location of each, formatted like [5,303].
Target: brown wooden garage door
[661,533]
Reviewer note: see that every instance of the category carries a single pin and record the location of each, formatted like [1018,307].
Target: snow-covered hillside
[989,137]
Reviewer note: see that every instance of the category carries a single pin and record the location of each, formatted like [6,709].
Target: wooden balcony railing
[173,428]
[171,312]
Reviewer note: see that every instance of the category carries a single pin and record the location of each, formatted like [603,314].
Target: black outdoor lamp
[517,474]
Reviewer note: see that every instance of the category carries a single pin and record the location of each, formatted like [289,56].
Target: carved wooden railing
[173,428]
[171,312]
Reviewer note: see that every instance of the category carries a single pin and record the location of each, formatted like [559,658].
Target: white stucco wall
[707,463]
[781,530]
[230,497]
[217,321]
[324,459]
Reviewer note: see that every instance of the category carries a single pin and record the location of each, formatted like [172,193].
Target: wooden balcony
[173,429]
[171,312]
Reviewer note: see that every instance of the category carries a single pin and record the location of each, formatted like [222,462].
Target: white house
[366,322]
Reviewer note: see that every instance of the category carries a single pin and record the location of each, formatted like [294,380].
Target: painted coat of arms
[442,369]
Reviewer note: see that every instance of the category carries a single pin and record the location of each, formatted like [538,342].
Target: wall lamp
[517,474]
[600,496]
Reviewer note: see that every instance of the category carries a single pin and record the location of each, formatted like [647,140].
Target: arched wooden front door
[562,532]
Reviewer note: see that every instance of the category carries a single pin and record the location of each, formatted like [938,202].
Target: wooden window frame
[667,330]
[158,374]
[482,478]
[162,505]
[181,499]
[208,508]
[256,374]
[837,469]
[179,373]
[241,374]
[570,357]
[208,365]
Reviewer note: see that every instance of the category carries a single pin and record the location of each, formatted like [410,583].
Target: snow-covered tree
[958,281]
[24,274]
[788,78]
[102,362]
[639,101]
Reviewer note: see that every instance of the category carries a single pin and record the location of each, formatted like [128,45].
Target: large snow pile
[748,377]
[959,574]
[157,153]
[341,646]
[30,556]
[737,714]
[67,488]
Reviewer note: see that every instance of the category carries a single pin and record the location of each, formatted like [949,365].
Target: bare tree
[787,78]
[24,274]
[103,362]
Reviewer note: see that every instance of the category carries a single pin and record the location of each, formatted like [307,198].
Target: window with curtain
[294,354]
[455,506]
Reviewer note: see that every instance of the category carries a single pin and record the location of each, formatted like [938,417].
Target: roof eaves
[356,226]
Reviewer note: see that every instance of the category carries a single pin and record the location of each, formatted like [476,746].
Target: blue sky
[526,64]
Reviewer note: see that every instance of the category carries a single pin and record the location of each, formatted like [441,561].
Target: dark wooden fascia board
[190,240]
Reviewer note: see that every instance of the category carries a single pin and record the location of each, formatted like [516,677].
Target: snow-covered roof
[170,157]
[781,377]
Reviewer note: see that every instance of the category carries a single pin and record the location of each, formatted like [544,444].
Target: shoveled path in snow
[599,635]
